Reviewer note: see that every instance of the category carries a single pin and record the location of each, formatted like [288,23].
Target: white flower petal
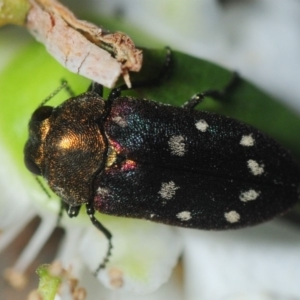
[69,248]
[143,256]
[14,215]
[262,260]
[11,188]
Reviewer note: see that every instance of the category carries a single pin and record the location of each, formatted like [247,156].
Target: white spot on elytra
[201,125]
[168,190]
[177,145]
[247,140]
[120,121]
[184,216]
[152,215]
[249,195]
[232,216]
[102,191]
[255,168]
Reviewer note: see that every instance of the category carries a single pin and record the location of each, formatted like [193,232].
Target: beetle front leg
[72,211]
[96,88]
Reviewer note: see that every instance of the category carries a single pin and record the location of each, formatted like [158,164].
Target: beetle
[176,165]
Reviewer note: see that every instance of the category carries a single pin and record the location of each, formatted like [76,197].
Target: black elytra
[138,158]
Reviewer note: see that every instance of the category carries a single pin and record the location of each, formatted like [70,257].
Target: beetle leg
[91,213]
[72,211]
[116,92]
[96,88]
[215,94]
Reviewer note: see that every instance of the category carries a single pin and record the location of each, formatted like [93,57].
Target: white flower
[261,40]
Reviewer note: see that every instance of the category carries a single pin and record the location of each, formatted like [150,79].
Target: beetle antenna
[91,213]
[64,85]
[62,205]
[67,87]
[42,186]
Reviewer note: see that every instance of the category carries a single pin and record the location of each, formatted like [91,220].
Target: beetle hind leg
[215,94]
[72,211]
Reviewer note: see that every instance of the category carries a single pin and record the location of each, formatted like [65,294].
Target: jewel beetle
[176,165]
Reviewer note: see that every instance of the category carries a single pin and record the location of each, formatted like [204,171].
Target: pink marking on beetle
[101,196]
[116,146]
[129,165]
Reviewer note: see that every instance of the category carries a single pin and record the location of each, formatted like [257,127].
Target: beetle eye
[32,166]
[42,113]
